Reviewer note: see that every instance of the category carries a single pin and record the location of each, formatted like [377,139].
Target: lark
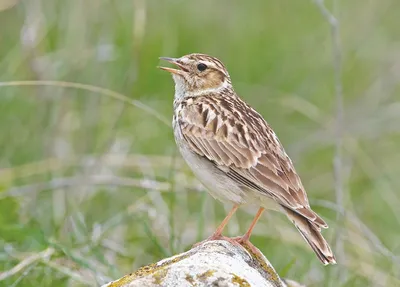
[233,151]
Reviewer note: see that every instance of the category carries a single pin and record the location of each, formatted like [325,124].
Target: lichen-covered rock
[212,263]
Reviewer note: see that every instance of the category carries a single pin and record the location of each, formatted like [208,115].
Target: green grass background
[91,187]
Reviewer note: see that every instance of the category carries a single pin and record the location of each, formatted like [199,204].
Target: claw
[243,241]
[216,237]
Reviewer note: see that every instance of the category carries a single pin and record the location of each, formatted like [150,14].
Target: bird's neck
[182,92]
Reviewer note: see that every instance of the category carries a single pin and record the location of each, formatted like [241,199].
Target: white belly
[218,184]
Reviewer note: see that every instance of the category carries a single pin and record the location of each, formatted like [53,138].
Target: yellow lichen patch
[145,270]
[153,268]
[122,281]
[273,276]
[205,275]
[189,278]
[177,259]
[240,281]
[160,275]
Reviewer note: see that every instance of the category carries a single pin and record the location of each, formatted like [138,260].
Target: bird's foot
[245,242]
[216,237]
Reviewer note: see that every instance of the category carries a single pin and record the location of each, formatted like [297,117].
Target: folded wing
[233,136]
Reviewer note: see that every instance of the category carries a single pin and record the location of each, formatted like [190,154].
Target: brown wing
[237,139]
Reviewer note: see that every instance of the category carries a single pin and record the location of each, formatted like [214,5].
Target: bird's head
[197,74]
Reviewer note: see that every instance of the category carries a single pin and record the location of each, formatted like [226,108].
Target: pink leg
[244,240]
[217,235]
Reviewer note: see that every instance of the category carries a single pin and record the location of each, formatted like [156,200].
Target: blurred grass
[91,187]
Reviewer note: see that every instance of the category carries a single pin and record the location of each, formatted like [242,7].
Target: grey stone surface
[213,263]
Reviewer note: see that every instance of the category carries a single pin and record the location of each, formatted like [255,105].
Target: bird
[234,152]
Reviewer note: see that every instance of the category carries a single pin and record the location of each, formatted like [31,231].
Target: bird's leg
[217,235]
[247,235]
[244,240]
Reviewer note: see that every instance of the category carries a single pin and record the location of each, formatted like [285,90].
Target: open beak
[174,61]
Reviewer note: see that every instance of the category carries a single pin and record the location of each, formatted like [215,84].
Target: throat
[182,93]
[180,90]
[207,91]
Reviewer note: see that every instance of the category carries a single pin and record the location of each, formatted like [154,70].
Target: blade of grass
[201,222]
[91,88]
[45,254]
[154,238]
[171,180]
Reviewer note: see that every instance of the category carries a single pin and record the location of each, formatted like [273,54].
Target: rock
[213,263]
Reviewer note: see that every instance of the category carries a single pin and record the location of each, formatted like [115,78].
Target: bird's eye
[201,67]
